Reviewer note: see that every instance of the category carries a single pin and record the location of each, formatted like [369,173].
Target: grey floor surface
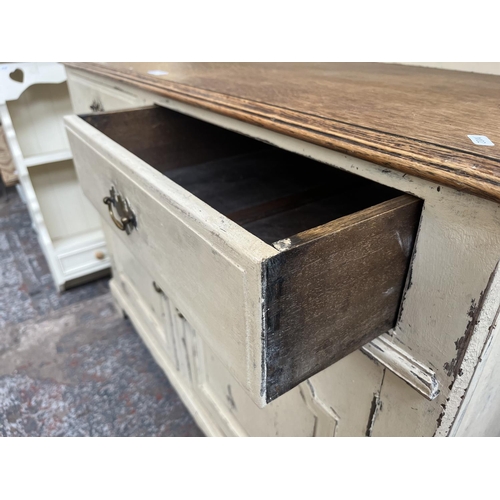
[70,365]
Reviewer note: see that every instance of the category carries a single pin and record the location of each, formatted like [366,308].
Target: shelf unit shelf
[51,157]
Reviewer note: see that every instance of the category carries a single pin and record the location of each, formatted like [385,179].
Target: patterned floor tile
[70,365]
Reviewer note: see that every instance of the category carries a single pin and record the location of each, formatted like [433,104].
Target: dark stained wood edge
[342,223]
[336,291]
[461,170]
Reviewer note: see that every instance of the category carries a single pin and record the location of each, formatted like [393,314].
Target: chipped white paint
[456,255]
[282,245]
[373,415]
[420,377]
[486,323]
[479,411]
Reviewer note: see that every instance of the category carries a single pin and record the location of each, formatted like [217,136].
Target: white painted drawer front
[207,264]
[90,95]
[272,314]
[94,255]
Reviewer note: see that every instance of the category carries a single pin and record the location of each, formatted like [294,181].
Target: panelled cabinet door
[202,376]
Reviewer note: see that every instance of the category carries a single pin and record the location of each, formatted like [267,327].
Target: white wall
[491,68]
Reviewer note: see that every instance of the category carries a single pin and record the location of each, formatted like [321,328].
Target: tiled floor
[69,364]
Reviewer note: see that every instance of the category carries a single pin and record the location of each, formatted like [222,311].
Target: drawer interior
[272,193]
[344,242]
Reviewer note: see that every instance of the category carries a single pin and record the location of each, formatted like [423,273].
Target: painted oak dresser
[306,249]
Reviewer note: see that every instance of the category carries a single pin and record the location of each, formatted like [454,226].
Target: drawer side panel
[335,291]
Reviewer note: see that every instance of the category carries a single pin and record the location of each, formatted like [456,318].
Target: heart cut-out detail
[17,75]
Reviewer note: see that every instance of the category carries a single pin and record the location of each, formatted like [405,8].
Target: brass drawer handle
[126,218]
[119,224]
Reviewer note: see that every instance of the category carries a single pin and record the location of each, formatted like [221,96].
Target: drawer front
[184,248]
[89,95]
[77,260]
[273,314]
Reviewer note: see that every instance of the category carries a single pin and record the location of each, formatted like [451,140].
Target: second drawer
[284,265]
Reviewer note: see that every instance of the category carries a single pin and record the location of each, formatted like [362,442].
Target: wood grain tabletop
[413,119]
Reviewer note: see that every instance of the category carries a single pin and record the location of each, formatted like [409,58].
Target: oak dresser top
[412,119]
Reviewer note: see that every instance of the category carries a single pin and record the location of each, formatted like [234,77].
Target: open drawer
[283,264]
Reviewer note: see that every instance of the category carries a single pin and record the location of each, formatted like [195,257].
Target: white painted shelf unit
[33,100]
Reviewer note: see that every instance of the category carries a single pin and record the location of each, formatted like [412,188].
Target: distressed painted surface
[202,247]
[483,397]
[456,254]
[445,319]
[70,365]
[475,390]
[350,388]
[420,377]
[217,401]
[402,411]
